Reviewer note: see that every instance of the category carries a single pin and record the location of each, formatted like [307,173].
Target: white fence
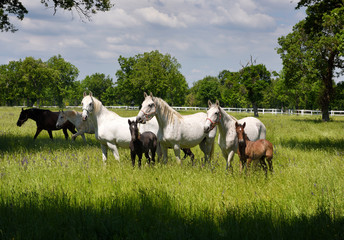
[237,110]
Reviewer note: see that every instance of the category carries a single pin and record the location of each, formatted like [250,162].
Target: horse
[227,139]
[75,118]
[141,143]
[176,131]
[257,150]
[45,120]
[110,128]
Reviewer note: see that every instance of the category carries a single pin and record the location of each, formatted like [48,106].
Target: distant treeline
[54,82]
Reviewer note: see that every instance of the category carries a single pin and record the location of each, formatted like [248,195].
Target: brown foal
[249,151]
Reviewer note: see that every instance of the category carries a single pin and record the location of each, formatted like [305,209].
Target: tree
[203,90]
[66,74]
[233,94]
[255,78]
[313,52]
[98,84]
[150,72]
[83,7]
[11,90]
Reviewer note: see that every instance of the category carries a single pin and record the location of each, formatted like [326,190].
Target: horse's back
[149,139]
[254,129]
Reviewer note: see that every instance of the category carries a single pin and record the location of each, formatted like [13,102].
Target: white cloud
[152,15]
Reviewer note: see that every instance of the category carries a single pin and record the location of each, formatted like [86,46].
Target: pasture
[62,190]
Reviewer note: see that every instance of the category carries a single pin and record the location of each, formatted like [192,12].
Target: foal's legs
[269,159]
[147,157]
[140,158]
[263,163]
[133,155]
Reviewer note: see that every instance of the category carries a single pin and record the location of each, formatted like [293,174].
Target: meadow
[62,190]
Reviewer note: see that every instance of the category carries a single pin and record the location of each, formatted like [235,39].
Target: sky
[204,36]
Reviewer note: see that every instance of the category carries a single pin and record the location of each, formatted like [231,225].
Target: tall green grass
[61,189]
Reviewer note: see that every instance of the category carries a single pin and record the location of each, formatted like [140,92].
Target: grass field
[61,189]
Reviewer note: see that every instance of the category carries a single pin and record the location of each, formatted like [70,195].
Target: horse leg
[153,155]
[229,160]
[176,149]
[65,133]
[133,155]
[140,158]
[114,149]
[269,160]
[147,156]
[50,134]
[104,152]
[263,163]
[37,132]
[164,153]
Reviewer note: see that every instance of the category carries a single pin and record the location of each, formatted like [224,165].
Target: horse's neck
[226,123]
[34,116]
[101,115]
[72,116]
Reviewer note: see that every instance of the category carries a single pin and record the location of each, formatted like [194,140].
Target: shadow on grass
[13,143]
[322,143]
[154,217]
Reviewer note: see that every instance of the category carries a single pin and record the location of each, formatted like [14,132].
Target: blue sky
[205,36]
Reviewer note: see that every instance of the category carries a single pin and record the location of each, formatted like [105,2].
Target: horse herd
[157,128]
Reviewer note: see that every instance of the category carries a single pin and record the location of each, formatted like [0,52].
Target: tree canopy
[85,8]
[312,54]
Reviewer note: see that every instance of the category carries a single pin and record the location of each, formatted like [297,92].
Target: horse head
[134,130]
[148,109]
[61,119]
[213,116]
[87,105]
[240,132]
[23,117]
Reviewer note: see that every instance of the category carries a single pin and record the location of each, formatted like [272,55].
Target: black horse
[45,120]
[141,143]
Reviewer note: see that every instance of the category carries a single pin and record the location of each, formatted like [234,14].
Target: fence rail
[229,109]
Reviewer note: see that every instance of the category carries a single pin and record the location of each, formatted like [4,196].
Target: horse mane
[167,110]
[224,113]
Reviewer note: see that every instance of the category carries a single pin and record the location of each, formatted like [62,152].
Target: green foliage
[150,72]
[61,190]
[256,79]
[98,84]
[312,52]
[206,89]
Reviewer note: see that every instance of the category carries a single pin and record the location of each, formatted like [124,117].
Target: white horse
[177,131]
[110,129]
[227,139]
[75,118]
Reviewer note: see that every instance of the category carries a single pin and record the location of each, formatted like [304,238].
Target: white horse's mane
[166,110]
[224,114]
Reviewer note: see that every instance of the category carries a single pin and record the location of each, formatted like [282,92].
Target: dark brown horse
[249,151]
[141,143]
[45,120]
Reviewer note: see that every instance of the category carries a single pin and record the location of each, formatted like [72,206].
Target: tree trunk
[327,93]
[255,110]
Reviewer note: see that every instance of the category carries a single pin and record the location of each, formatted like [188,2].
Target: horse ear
[129,121]
[209,103]
[90,94]
[217,102]
[243,126]
[85,94]
[236,124]
[151,94]
[145,94]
